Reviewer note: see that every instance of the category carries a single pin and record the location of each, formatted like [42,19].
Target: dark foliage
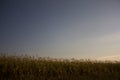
[29,68]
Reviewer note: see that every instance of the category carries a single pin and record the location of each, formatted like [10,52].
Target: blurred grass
[30,68]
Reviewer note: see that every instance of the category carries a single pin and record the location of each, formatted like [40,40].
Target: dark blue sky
[60,28]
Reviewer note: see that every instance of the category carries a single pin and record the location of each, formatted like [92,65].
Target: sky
[60,28]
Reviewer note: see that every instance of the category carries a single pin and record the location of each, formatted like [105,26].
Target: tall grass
[29,68]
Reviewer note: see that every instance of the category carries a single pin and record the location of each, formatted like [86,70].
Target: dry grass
[29,68]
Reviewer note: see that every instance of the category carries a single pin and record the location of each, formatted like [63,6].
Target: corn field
[30,68]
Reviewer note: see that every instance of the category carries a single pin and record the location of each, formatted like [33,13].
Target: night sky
[60,28]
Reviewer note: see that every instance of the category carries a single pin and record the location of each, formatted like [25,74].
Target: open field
[29,68]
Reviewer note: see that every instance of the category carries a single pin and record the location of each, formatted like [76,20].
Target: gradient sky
[60,28]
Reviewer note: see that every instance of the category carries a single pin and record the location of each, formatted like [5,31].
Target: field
[30,68]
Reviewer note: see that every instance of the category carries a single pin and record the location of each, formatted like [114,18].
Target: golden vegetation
[30,68]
